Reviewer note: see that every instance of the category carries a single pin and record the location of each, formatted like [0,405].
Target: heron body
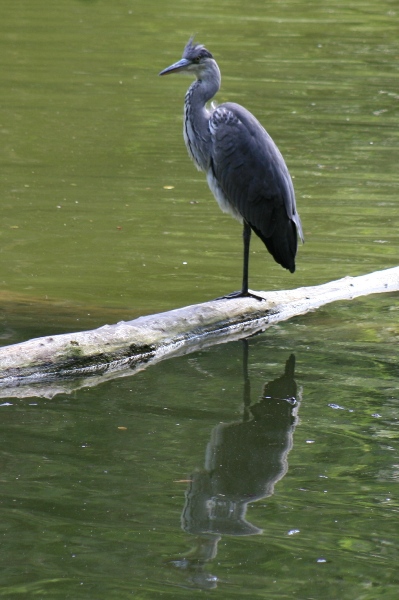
[244,168]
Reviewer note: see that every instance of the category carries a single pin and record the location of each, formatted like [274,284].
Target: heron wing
[254,179]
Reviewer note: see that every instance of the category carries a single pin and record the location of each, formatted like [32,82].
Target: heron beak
[178,66]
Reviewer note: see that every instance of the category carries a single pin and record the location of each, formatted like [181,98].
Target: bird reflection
[243,462]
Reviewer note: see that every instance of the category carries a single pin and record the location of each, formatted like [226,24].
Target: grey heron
[244,168]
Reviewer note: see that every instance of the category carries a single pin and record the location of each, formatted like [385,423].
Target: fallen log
[116,350]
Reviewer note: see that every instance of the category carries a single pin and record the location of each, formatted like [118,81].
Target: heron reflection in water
[243,462]
[244,168]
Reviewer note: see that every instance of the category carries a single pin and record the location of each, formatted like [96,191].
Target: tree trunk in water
[116,350]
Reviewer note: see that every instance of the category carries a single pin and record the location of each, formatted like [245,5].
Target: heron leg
[244,293]
[246,236]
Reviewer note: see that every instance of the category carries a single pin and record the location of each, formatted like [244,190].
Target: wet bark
[116,350]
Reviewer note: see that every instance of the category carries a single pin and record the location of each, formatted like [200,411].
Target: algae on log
[131,345]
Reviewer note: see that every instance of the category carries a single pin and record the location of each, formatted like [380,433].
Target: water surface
[100,204]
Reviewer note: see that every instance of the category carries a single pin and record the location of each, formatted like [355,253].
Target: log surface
[134,344]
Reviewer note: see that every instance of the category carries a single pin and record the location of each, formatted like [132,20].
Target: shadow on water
[243,462]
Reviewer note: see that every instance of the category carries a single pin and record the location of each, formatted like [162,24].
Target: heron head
[196,60]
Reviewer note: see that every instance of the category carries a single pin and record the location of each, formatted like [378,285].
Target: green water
[105,218]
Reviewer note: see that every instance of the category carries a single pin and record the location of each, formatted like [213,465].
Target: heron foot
[241,294]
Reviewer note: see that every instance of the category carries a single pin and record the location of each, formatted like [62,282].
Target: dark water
[212,474]
[197,475]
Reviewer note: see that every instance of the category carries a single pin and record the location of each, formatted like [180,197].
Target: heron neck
[208,83]
[196,116]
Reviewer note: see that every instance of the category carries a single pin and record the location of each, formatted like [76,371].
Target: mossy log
[116,350]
